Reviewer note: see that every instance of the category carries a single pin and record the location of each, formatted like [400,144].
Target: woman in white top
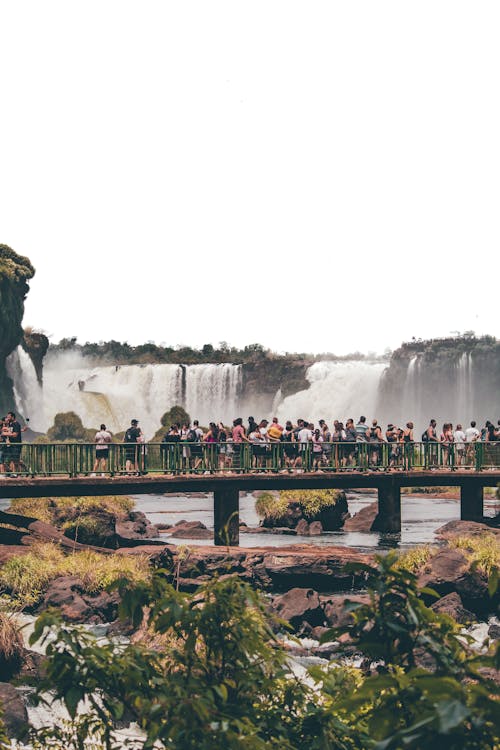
[459,441]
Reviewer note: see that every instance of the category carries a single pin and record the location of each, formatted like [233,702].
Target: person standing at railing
[472,435]
[459,440]
[14,438]
[4,448]
[350,440]
[375,439]
[429,437]
[446,440]
[131,447]
[408,441]
[102,441]
[362,441]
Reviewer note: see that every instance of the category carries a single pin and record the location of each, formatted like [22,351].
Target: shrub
[483,550]
[25,578]
[11,646]
[414,560]
[312,502]
[61,510]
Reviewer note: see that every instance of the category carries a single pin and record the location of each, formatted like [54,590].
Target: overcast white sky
[314,176]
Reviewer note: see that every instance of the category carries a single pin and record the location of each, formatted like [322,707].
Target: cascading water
[115,394]
[338,390]
[465,403]
[27,389]
[411,406]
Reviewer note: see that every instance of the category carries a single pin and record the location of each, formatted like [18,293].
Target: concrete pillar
[471,500]
[388,518]
[227,517]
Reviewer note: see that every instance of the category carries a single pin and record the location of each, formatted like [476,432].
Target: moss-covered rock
[15,272]
[291,508]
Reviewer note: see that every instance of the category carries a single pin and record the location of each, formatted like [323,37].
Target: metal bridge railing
[78,459]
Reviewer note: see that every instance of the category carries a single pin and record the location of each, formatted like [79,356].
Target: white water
[338,390]
[27,389]
[116,394]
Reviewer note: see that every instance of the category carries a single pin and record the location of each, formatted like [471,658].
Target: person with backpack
[131,440]
[375,438]
[195,435]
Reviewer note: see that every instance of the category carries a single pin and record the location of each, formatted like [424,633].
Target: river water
[421,516]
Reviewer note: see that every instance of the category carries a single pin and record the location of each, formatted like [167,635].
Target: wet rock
[337,613]
[163,526]
[67,593]
[464,528]
[363,519]
[14,714]
[299,606]
[191,530]
[315,528]
[443,570]
[302,527]
[33,667]
[452,605]
[494,631]
[137,526]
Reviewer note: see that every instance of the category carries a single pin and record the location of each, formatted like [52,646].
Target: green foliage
[175,415]
[58,511]
[68,426]
[415,559]
[218,677]
[482,550]
[311,502]
[25,578]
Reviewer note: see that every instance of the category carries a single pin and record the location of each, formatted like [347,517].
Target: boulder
[494,631]
[67,593]
[464,528]
[298,607]
[452,605]
[336,613]
[191,530]
[449,571]
[363,519]
[14,714]
[137,526]
[315,528]
[302,528]
[443,569]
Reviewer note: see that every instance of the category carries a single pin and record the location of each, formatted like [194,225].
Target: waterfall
[212,392]
[115,394]
[465,406]
[337,390]
[27,389]
[411,406]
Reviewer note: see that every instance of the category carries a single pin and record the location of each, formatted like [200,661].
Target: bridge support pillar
[471,501]
[388,518]
[227,517]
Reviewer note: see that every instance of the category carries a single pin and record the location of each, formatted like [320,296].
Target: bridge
[66,469]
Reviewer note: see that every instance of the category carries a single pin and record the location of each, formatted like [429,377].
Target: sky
[313,176]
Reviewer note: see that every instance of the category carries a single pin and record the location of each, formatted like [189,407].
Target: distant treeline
[117,352]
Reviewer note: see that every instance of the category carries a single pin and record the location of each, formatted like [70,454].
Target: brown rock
[464,528]
[315,528]
[452,605]
[302,527]
[336,613]
[191,530]
[299,606]
[68,594]
[363,520]
[443,570]
[14,714]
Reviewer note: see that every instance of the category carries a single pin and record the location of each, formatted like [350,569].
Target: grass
[11,645]
[312,502]
[25,578]
[415,560]
[483,550]
[60,510]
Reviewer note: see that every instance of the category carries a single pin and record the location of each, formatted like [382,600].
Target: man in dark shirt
[14,437]
[131,450]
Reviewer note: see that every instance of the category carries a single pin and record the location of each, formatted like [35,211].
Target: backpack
[192,436]
[425,437]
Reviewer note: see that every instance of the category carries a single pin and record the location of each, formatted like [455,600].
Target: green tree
[67,426]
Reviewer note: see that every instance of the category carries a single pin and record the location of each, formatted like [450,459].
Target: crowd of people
[268,444]
[303,445]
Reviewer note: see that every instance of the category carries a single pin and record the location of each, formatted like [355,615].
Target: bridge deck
[226,490]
